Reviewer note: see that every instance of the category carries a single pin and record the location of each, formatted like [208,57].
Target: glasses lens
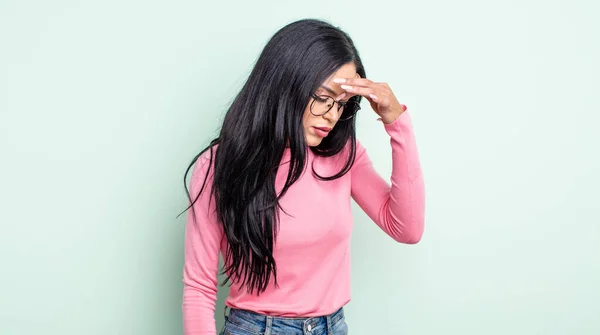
[321,104]
[349,110]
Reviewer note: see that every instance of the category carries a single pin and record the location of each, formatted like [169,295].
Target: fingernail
[373,96]
[404,106]
[339,80]
[346,87]
[341,96]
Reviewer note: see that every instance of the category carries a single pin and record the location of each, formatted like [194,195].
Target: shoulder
[204,162]
[359,149]
[208,155]
[344,155]
[361,157]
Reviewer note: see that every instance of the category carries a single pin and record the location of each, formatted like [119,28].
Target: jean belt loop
[269,325]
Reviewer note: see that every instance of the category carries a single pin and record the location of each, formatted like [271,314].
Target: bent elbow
[413,239]
[412,236]
[404,230]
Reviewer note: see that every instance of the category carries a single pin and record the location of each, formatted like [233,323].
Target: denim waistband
[264,324]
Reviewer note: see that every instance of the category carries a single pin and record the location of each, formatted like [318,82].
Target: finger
[379,100]
[362,82]
[341,96]
[373,102]
[356,90]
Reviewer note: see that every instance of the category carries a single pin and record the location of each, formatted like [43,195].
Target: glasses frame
[339,103]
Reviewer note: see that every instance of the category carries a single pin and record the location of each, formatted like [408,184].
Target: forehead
[346,71]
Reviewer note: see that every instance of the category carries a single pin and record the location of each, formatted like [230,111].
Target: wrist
[391,117]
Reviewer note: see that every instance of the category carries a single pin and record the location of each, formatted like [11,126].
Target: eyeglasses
[322,104]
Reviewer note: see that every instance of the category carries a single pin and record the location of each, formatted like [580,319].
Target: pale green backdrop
[103,104]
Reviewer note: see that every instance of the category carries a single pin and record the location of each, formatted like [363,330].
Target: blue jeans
[242,322]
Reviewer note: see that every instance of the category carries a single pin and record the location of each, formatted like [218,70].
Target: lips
[322,131]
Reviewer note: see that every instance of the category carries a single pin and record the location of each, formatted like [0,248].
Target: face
[317,127]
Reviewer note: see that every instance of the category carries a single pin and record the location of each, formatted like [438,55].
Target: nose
[334,113]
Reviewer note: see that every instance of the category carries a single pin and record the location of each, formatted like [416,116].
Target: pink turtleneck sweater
[312,250]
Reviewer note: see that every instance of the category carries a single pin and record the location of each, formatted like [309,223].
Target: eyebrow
[329,90]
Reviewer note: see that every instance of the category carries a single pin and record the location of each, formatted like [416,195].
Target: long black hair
[263,120]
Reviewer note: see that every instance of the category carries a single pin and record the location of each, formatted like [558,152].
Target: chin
[313,142]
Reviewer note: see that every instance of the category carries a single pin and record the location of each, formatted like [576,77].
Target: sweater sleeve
[399,209]
[203,235]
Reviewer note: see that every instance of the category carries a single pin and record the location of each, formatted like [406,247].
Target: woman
[272,192]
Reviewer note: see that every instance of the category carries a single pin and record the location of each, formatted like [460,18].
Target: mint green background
[103,104]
